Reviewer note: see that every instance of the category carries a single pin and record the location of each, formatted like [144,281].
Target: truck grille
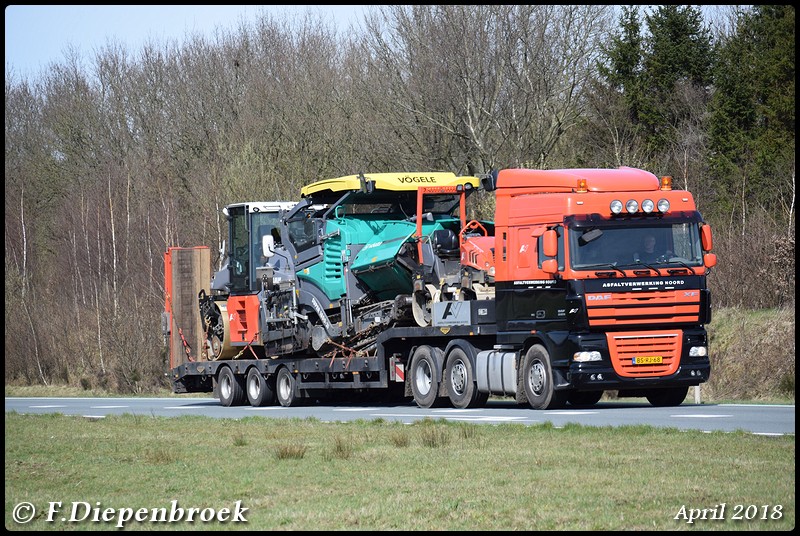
[664,307]
[626,347]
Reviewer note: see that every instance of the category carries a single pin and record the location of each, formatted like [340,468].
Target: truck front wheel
[585,398]
[260,391]
[538,380]
[461,387]
[231,392]
[662,398]
[285,388]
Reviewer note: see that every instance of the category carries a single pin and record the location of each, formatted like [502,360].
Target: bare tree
[505,95]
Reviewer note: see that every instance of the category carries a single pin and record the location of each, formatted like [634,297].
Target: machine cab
[249,224]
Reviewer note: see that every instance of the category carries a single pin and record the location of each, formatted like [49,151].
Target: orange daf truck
[581,306]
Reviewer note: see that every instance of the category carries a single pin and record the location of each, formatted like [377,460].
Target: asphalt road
[757,419]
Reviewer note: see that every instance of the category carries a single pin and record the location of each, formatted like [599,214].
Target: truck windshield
[660,243]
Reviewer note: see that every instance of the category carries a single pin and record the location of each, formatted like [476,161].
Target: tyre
[662,398]
[285,387]
[460,381]
[424,384]
[259,390]
[229,386]
[585,398]
[538,380]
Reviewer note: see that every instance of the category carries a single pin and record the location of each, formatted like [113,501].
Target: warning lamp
[582,186]
[666,182]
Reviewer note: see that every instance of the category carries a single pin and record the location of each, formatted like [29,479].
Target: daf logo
[598,297]
[690,293]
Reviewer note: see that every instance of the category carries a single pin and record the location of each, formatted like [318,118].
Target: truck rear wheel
[424,384]
[538,380]
[285,385]
[260,391]
[460,378]
[229,386]
[662,398]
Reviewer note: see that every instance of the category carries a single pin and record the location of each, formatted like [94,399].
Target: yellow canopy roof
[390,181]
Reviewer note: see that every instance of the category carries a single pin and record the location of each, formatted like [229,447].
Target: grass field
[433,475]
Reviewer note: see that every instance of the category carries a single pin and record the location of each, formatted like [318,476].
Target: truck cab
[573,280]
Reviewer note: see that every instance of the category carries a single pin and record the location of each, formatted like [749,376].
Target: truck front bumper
[601,376]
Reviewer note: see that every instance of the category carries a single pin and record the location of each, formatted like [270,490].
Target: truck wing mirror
[550,243]
[550,266]
[705,237]
[710,260]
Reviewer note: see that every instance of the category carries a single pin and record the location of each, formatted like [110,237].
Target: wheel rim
[424,377]
[458,377]
[254,387]
[537,376]
[225,387]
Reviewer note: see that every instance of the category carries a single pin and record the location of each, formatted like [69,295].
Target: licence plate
[647,360]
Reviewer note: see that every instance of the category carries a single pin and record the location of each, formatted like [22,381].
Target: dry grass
[752,355]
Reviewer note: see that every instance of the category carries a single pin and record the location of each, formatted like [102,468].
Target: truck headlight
[698,351]
[584,357]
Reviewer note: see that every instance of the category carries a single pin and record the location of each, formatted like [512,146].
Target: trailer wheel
[231,391]
[460,378]
[424,385]
[662,398]
[585,398]
[538,380]
[285,388]
[260,391]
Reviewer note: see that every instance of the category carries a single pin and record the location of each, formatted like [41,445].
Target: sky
[37,35]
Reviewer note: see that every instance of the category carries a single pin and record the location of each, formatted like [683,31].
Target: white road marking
[698,416]
[485,419]
[46,407]
[107,407]
[465,417]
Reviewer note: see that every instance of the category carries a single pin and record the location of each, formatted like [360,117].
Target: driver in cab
[648,252]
